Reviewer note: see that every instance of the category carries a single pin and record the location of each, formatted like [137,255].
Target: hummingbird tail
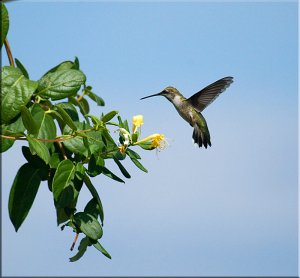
[201,137]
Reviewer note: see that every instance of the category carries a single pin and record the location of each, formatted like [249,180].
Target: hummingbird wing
[207,95]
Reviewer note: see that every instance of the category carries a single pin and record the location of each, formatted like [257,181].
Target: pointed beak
[159,94]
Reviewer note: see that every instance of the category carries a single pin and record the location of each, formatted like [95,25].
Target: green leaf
[93,208]
[99,247]
[46,128]
[96,121]
[83,106]
[37,147]
[100,161]
[122,168]
[111,175]
[62,186]
[61,84]
[126,126]
[65,116]
[132,154]
[5,144]
[70,109]
[54,160]
[94,97]
[36,162]
[22,193]
[16,128]
[86,144]
[120,122]
[112,123]
[68,200]
[123,124]
[107,117]
[32,159]
[65,65]
[135,137]
[50,179]
[88,224]
[119,155]
[79,171]
[28,120]
[84,243]
[95,195]
[4,23]
[22,68]
[146,146]
[77,146]
[76,63]
[78,182]
[108,140]
[16,92]
[139,165]
[94,169]
[63,214]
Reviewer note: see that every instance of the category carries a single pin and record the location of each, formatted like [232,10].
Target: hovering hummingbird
[190,109]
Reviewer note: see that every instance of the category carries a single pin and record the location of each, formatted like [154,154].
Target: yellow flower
[122,148]
[137,121]
[153,141]
[157,140]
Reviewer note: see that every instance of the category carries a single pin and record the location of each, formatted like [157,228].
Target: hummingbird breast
[184,109]
[187,111]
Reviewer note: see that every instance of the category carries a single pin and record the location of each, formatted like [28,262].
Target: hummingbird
[190,108]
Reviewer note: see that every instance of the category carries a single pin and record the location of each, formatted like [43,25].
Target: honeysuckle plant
[65,145]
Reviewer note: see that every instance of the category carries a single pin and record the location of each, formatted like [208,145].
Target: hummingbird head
[169,92]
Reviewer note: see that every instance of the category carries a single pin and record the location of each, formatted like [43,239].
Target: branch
[9,54]
[74,242]
[59,139]
[62,149]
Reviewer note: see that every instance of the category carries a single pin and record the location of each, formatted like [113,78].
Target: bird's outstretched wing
[207,95]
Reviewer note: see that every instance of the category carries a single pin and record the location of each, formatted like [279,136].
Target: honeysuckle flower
[137,121]
[126,135]
[127,139]
[122,148]
[159,141]
[154,141]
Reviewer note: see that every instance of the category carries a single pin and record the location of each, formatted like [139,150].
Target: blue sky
[227,210]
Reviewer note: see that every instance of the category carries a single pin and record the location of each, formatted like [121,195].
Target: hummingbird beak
[159,94]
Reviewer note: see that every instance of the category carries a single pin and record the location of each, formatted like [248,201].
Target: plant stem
[59,139]
[79,98]
[9,54]
[61,147]
[12,137]
[74,242]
